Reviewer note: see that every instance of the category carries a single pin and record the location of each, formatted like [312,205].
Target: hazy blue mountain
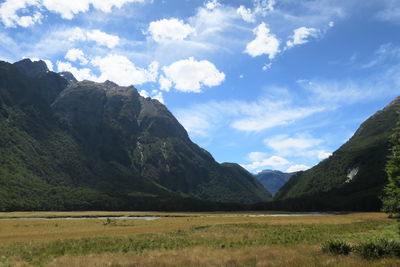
[273,180]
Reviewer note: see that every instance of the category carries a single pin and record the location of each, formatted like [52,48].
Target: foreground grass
[275,241]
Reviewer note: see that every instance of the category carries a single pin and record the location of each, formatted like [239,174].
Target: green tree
[391,199]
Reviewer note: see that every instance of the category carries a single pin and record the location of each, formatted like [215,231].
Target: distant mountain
[84,145]
[273,180]
[353,177]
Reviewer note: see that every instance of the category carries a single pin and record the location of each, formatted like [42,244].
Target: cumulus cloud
[10,18]
[190,75]
[165,84]
[264,43]
[66,9]
[246,14]
[101,38]
[116,68]
[264,6]
[297,168]
[155,94]
[261,7]
[301,35]
[300,145]
[121,70]
[273,162]
[80,74]
[169,30]
[76,55]
[211,4]
[144,93]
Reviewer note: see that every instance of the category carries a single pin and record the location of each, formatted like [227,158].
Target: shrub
[337,247]
[379,248]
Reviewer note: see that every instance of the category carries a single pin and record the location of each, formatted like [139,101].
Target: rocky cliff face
[100,144]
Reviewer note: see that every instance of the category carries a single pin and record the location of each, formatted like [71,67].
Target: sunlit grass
[225,237]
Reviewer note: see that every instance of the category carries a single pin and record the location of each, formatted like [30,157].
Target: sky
[268,84]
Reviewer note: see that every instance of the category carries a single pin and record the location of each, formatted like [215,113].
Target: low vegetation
[229,239]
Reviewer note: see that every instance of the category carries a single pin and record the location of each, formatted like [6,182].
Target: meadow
[186,239]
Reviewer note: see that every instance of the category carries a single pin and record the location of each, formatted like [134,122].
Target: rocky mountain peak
[31,68]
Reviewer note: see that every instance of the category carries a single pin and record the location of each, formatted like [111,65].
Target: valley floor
[185,239]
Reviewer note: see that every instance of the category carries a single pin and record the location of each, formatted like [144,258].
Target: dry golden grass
[208,239]
[37,230]
[203,256]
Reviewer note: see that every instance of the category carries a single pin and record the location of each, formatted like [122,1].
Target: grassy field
[185,239]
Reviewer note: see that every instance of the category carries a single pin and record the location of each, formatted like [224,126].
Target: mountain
[68,145]
[273,180]
[353,177]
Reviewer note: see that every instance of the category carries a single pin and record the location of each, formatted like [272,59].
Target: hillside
[353,177]
[84,145]
[273,180]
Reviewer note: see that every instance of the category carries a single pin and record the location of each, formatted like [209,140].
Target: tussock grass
[90,242]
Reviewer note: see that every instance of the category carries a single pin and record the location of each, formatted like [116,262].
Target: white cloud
[273,162]
[158,96]
[116,68]
[169,30]
[144,93]
[189,75]
[155,94]
[101,38]
[322,154]
[256,156]
[390,11]
[297,168]
[268,118]
[67,9]
[80,74]
[264,43]
[10,18]
[121,70]
[203,119]
[384,53]
[212,4]
[165,84]
[76,55]
[267,66]
[301,35]
[263,6]
[287,145]
[246,14]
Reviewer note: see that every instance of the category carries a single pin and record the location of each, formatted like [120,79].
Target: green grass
[217,236]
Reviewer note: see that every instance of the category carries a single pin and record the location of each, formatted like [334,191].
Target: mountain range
[273,180]
[69,145]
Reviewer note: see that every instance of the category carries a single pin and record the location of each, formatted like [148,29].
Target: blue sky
[269,84]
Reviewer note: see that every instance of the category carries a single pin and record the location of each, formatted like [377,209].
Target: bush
[337,247]
[379,248]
